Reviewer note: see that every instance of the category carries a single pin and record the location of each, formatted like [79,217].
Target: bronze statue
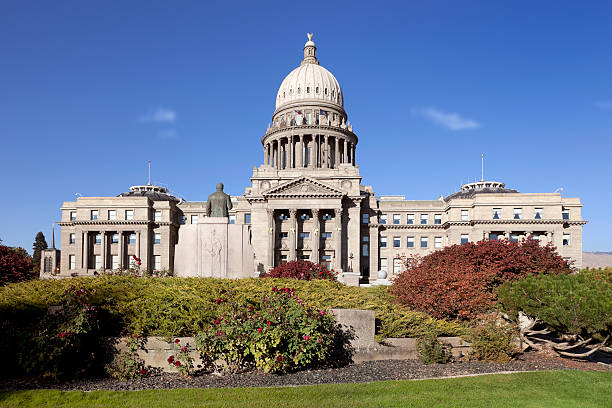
[219,203]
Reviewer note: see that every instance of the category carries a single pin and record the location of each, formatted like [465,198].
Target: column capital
[293,212]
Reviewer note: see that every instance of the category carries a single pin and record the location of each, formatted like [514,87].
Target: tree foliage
[39,244]
[460,281]
[15,265]
[302,270]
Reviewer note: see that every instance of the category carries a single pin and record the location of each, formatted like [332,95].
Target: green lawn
[540,389]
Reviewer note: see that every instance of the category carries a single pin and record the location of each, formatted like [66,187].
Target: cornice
[449,224]
[106,222]
[308,129]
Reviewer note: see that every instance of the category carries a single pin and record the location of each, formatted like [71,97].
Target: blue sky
[91,90]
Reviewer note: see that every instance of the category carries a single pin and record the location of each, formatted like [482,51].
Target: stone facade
[306,201]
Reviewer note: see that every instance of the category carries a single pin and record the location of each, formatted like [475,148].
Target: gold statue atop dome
[309,35]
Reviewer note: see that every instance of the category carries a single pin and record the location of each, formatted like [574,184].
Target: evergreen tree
[39,244]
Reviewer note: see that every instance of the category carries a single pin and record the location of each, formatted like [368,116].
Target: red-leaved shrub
[459,281]
[302,270]
[15,265]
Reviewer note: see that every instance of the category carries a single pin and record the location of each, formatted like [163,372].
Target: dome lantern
[310,51]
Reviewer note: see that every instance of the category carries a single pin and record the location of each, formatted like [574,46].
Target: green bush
[493,342]
[281,334]
[578,304]
[127,364]
[155,306]
[431,350]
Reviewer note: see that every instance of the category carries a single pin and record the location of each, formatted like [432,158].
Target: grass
[538,389]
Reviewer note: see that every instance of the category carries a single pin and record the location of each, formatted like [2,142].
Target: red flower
[143,372]
[171,359]
[219,300]
[184,349]
[251,308]
[268,323]
[135,335]
[259,329]
[177,363]
[176,341]
[219,333]
[279,358]
[216,322]
[306,337]
[62,335]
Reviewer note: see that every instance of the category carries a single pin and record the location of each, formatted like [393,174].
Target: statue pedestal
[214,248]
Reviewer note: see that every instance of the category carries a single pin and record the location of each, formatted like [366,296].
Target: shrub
[431,350]
[15,265]
[182,361]
[186,306]
[281,335]
[64,343]
[302,270]
[128,365]
[459,281]
[493,341]
[578,304]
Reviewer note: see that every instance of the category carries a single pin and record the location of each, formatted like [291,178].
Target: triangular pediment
[303,187]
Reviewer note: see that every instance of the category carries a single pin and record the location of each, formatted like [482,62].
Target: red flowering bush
[280,334]
[127,364]
[460,281]
[15,265]
[302,270]
[183,361]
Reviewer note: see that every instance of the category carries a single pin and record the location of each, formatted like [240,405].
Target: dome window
[325,91]
[307,89]
[283,94]
[291,92]
[333,94]
[317,89]
[299,90]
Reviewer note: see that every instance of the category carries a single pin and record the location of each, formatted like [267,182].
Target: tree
[39,244]
[15,265]
[460,281]
[302,270]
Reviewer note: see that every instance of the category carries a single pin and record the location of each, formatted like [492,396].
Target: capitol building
[306,200]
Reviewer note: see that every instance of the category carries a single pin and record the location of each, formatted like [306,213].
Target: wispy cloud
[452,121]
[160,115]
[168,134]
[604,104]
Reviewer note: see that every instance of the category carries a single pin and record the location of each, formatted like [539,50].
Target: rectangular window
[327,216]
[396,219]
[232,219]
[464,215]
[566,239]
[97,261]
[383,242]
[424,242]
[284,234]
[304,234]
[129,215]
[304,216]
[98,238]
[438,219]
[283,258]
[94,215]
[71,262]
[115,239]
[410,219]
[72,215]
[132,238]
[496,213]
[157,216]
[383,264]
[465,238]
[247,218]
[538,213]
[383,219]
[410,242]
[112,215]
[397,266]
[157,238]
[115,261]
[194,219]
[365,249]
[308,118]
[365,218]
[514,237]
[305,257]
[518,213]
[493,236]
[183,220]
[397,242]
[565,214]
[424,218]
[326,235]
[73,238]
[438,242]
[157,262]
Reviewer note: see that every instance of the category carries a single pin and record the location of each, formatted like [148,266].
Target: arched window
[325,91]
[307,89]
[290,91]
[333,94]
[283,94]
[317,89]
[299,90]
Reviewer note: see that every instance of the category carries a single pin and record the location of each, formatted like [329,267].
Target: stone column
[291,153]
[312,157]
[293,235]
[354,236]
[336,151]
[353,157]
[86,250]
[120,252]
[299,151]
[549,237]
[343,143]
[326,154]
[316,236]
[338,240]
[265,154]
[271,236]
[373,253]
[103,250]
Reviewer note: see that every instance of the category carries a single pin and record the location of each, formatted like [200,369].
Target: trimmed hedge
[185,306]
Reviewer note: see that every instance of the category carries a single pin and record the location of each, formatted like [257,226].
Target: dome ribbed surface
[309,77]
